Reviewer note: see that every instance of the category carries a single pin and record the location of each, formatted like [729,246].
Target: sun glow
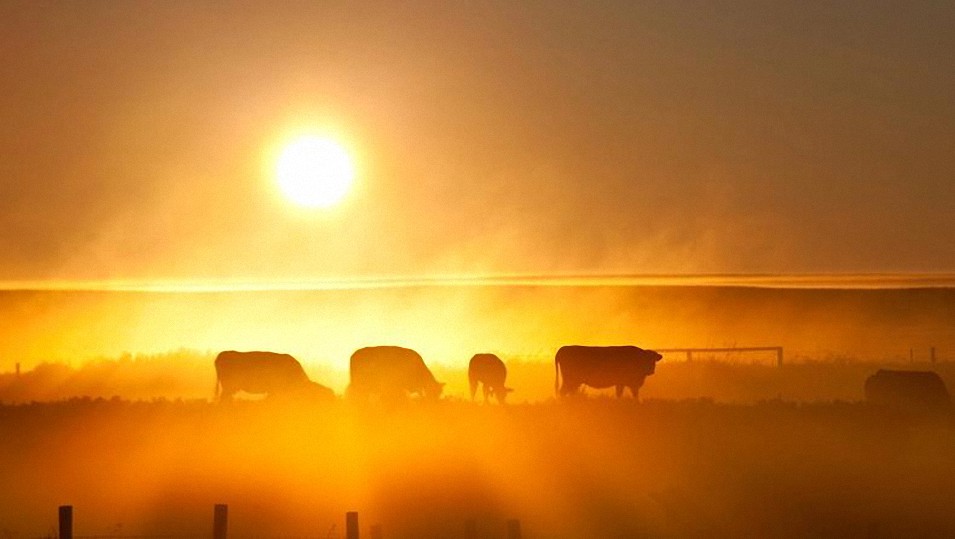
[315,172]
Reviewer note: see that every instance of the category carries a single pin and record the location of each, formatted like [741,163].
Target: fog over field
[112,413]
[448,324]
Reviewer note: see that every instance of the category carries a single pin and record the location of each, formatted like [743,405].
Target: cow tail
[557,376]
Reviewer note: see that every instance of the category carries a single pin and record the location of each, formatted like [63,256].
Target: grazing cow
[490,372]
[278,375]
[910,390]
[603,366]
[390,373]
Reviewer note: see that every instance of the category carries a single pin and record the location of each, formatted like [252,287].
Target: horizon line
[749,280]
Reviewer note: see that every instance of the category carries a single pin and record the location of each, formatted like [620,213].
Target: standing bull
[390,373]
[264,372]
[489,371]
[603,366]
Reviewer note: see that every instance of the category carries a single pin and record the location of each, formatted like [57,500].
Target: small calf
[490,372]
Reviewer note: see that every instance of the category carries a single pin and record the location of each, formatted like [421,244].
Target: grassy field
[590,468]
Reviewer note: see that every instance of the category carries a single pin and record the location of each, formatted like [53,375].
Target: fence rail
[690,351]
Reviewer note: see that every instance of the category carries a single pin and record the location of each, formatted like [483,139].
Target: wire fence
[778,350]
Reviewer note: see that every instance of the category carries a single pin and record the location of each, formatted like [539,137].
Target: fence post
[351,525]
[66,522]
[689,356]
[375,531]
[513,529]
[779,356]
[220,521]
[932,355]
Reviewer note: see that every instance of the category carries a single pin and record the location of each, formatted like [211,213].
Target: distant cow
[390,373]
[603,366]
[912,390]
[279,375]
[490,372]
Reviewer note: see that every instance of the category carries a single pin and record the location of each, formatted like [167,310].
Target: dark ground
[590,468]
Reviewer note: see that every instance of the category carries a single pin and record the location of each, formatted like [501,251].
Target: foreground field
[591,468]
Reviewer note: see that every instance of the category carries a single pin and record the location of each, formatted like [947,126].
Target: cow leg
[473,384]
[485,390]
[635,388]
[569,388]
[619,390]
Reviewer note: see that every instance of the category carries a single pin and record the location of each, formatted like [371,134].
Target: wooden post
[18,369]
[689,356]
[220,521]
[911,356]
[375,531]
[779,356]
[470,529]
[66,522]
[513,529]
[932,355]
[351,525]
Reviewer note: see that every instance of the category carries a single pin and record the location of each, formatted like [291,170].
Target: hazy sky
[136,138]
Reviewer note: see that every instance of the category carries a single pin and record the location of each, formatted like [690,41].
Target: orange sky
[502,138]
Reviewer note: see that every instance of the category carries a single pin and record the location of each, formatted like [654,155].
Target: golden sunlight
[315,172]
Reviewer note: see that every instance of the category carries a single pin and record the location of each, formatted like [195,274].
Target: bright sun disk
[315,172]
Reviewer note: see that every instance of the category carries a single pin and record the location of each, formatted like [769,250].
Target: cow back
[259,372]
[389,369]
[907,389]
[488,369]
[605,366]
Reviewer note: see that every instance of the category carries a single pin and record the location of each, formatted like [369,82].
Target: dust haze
[112,412]
[602,138]
[448,324]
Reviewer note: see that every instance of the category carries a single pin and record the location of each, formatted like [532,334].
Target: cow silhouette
[390,373]
[489,371]
[601,367]
[908,390]
[278,375]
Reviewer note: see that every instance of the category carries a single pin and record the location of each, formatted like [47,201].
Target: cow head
[501,394]
[433,390]
[651,357]
[318,392]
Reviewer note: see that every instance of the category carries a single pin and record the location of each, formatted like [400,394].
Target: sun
[315,172]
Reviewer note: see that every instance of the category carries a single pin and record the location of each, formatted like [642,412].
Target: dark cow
[603,366]
[390,373]
[278,375]
[910,390]
[490,372]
